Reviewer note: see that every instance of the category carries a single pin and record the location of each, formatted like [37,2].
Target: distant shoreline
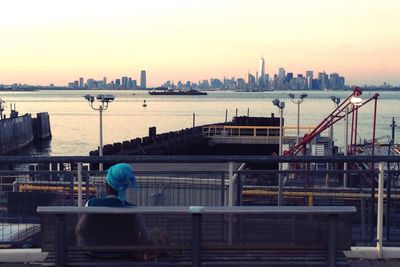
[60,88]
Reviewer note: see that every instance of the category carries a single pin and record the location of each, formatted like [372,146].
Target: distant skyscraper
[90,83]
[143,79]
[281,74]
[262,73]
[81,85]
[134,84]
[251,79]
[118,83]
[266,78]
[124,81]
[309,78]
[323,80]
[309,73]
[289,77]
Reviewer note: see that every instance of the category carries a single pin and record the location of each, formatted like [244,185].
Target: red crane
[349,106]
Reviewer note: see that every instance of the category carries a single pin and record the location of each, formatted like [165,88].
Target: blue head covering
[119,177]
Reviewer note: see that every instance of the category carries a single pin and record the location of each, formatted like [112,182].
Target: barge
[176,92]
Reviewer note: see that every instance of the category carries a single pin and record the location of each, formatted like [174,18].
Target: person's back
[113,229]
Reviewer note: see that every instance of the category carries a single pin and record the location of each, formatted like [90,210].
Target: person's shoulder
[92,202]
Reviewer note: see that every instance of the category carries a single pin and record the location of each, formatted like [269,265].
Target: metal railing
[306,183]
[255,134]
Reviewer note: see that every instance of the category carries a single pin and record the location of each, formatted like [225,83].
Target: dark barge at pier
[176,92]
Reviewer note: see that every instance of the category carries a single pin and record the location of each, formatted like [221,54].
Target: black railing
[308,183]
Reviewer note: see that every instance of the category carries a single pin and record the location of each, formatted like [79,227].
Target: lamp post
[103,105]
[281,106]
[2,106]
[355,101]
[336,102]
[298,100]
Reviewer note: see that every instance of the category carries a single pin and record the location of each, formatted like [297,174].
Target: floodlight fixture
[103,105]
[356,101]
[335,100]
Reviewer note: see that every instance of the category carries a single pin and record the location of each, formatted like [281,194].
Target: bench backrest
[236,228]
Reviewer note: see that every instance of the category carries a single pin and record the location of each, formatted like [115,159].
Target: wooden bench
[211,236]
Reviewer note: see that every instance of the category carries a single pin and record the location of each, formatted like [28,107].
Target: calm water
[75,126]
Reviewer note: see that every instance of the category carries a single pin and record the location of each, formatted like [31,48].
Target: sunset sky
[50,41]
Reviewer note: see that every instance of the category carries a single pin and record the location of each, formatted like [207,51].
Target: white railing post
[231,193]
[231,190]
[346,142]
[379,227]
[79,174]
[15,185]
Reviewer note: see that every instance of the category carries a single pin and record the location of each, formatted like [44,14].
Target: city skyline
[261,81]
[48,42]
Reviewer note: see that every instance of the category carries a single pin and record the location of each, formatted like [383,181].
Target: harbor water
[75,126]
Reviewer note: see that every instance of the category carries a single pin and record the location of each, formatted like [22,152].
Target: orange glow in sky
[47,41]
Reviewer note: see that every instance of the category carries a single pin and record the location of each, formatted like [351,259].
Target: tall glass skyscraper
[143,79]
[262,73]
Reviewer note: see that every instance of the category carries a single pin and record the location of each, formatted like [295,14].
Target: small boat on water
[144,103]
[177,92]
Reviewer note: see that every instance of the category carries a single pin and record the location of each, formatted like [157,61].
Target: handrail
[255,127]
[195,159]
[199,209]
[257,132]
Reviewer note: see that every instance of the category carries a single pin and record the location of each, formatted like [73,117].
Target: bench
[211,236]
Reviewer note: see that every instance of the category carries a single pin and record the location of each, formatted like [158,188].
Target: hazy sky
[50,41]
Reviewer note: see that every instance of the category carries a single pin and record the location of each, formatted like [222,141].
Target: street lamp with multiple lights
[298,100]
[281,106]
[103,105]
[354,101]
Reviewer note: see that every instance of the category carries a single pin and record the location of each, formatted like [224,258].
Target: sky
[57,41]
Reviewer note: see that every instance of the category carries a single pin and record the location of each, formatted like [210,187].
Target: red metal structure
[347,106]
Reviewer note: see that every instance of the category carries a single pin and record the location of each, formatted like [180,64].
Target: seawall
[19,132]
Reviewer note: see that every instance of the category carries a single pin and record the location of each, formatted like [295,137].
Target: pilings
[41,127]
[19,132]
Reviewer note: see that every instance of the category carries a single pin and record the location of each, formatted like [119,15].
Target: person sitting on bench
[115,229]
